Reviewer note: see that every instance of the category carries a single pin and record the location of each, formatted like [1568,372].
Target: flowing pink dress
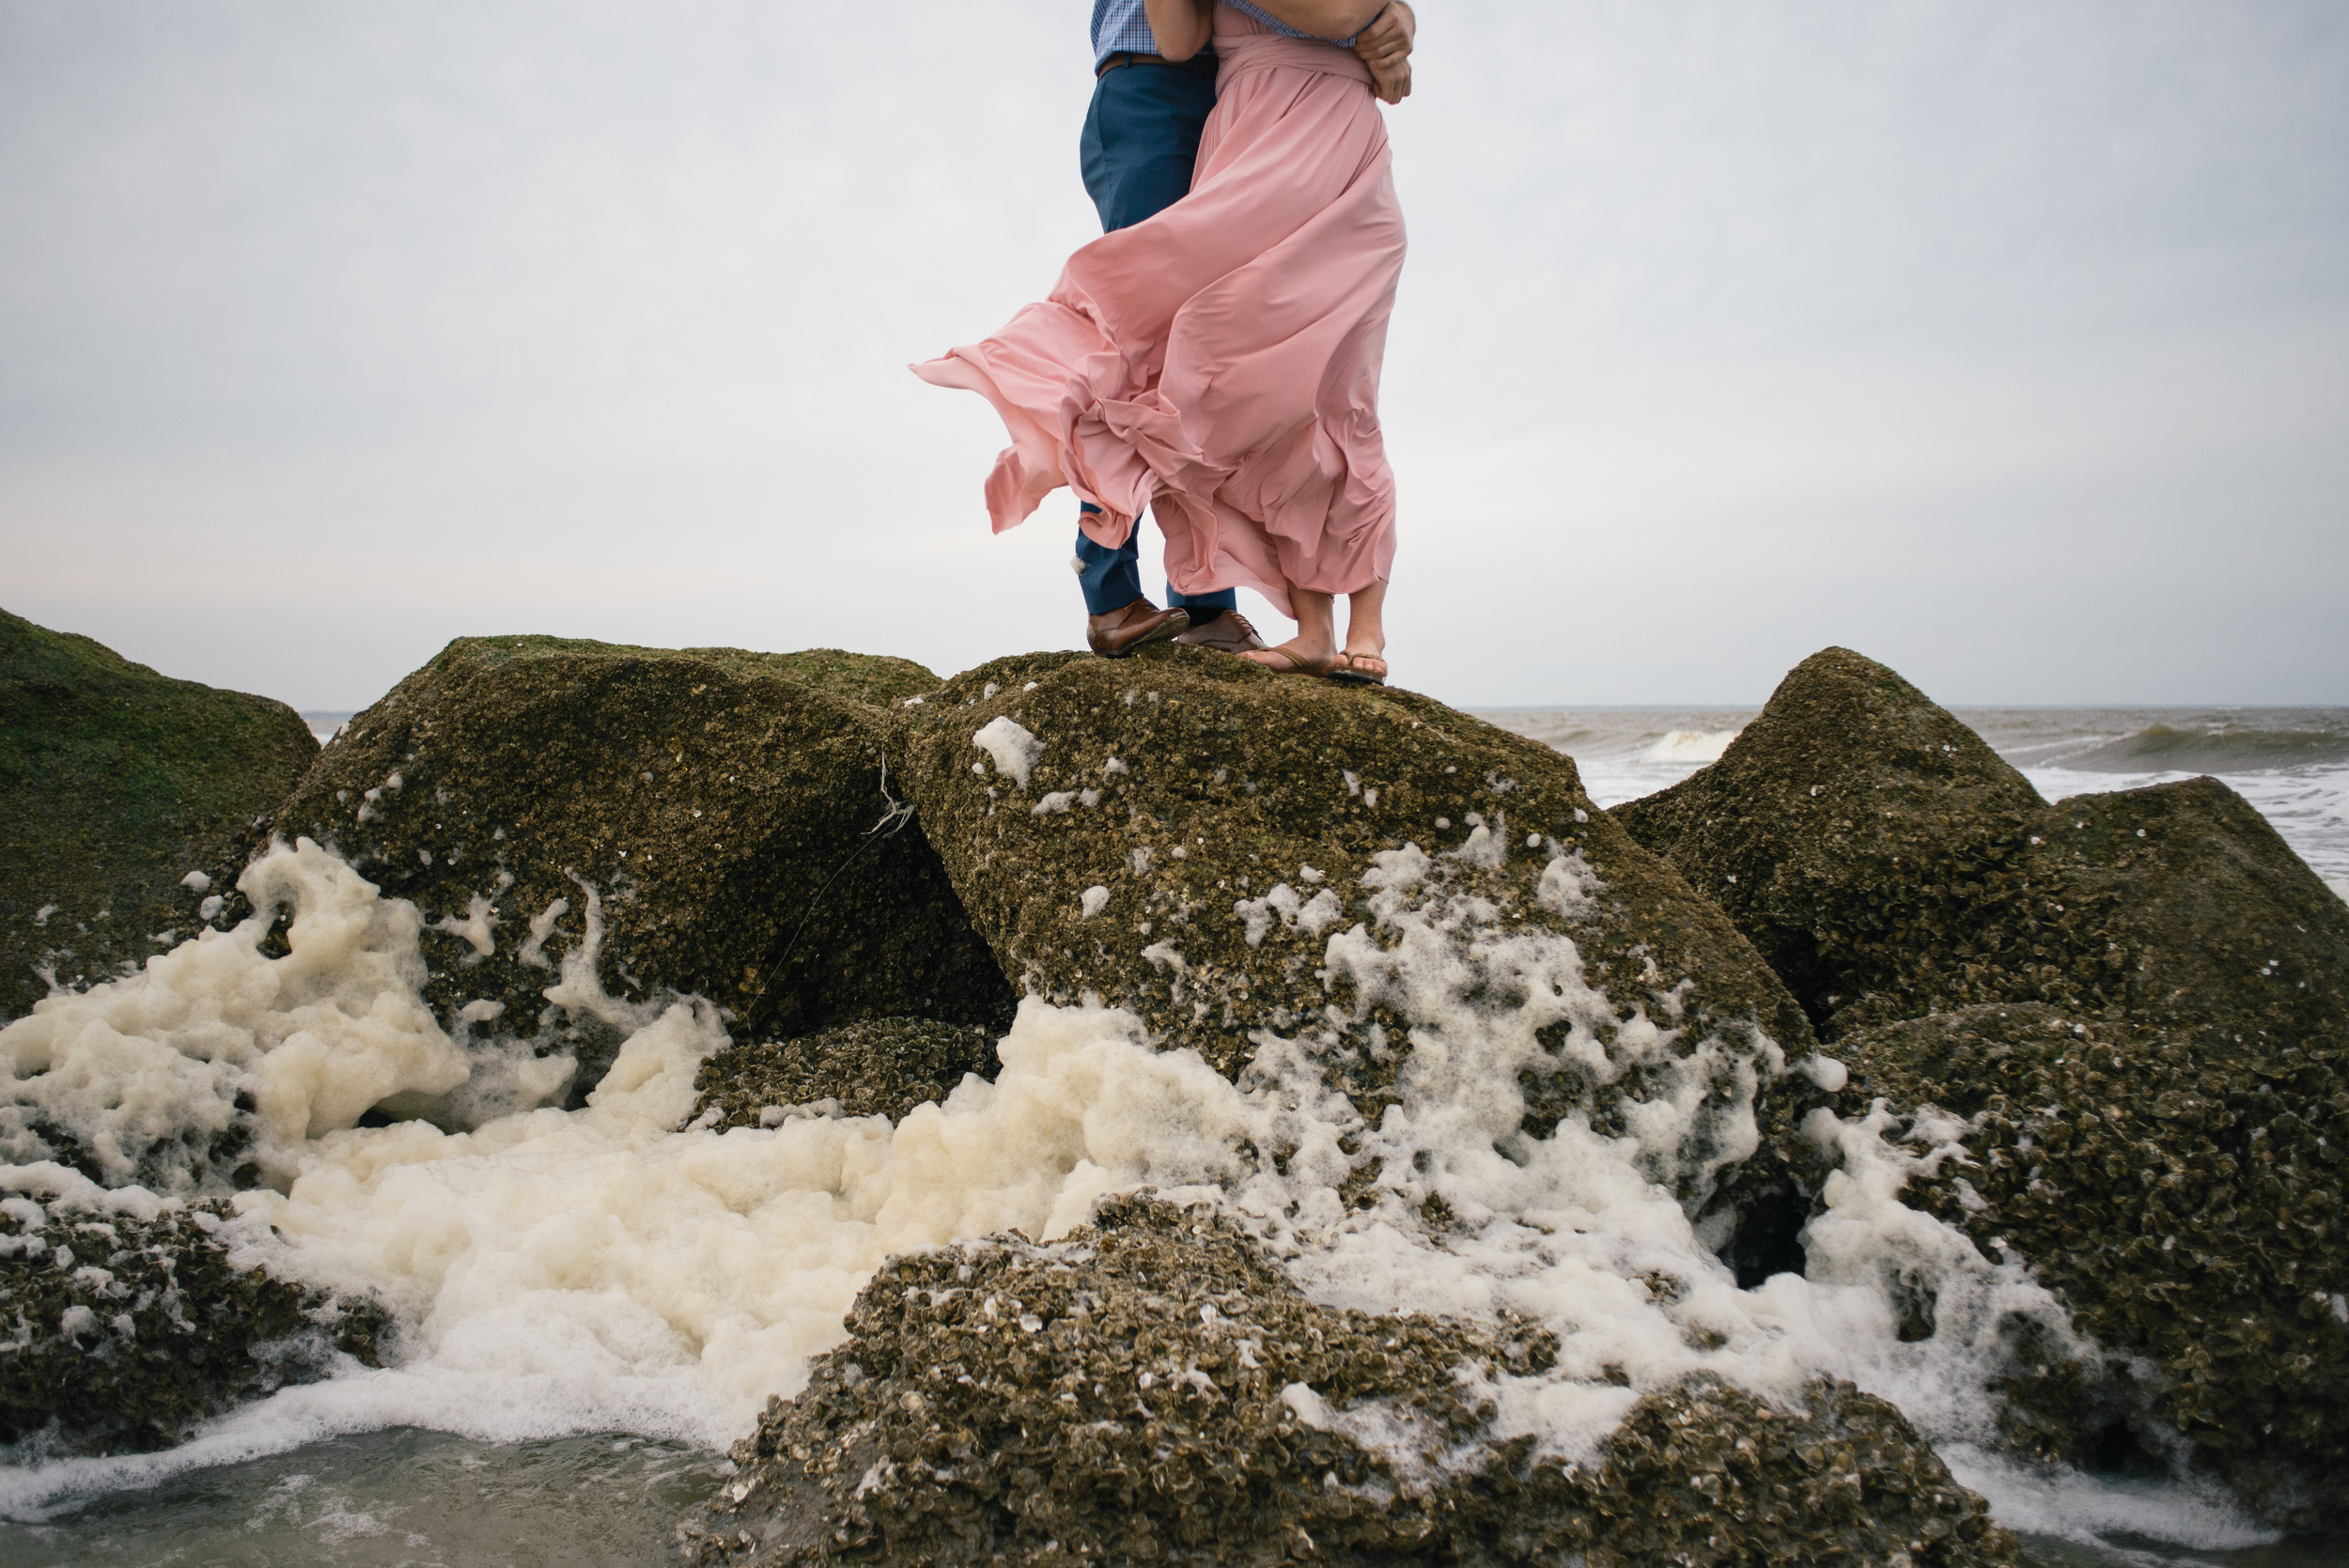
[1220,359]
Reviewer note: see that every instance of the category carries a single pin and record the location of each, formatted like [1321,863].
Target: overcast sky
[2004,340]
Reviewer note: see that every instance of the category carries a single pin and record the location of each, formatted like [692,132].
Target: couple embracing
[1213,358]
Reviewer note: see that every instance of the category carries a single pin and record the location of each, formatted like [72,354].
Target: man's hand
[1385,46]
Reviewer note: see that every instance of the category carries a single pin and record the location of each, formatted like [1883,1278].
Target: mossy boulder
[1154,1389]
[128,1320]
[2183,1198]
[1227,851]
[2180,905]
[116,782]
[875,1067]
[2137,998]
[720,819]
[1850,831]
[1888,864]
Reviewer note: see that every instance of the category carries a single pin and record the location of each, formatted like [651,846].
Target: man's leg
[1140,145]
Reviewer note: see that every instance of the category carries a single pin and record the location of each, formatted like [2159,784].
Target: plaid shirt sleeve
[1123,27]
[1279,26]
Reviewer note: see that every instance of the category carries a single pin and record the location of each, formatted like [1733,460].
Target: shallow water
[2137,1551]
[403,1498]
[407,1498]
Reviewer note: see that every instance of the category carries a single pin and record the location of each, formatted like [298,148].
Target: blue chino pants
[1141,139]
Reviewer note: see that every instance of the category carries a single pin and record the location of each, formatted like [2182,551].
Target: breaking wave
[1693,746]
[2160,748]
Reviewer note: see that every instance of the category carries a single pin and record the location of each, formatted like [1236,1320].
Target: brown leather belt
[1202,64]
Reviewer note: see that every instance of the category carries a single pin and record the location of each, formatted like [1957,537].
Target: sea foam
[597,1269]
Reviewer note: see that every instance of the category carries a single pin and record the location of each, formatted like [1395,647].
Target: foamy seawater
[594,1301]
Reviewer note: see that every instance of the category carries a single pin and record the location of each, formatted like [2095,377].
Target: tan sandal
[1297,664]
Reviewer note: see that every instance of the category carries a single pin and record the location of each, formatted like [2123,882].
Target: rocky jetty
[115,783]
[709,821]
[133,1319]
[1154,1389]
[1463,1021]
[2137,1002]
[1184,833]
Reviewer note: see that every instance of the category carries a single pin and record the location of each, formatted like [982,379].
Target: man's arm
[1385,46]
[1323,19]
[1180,27]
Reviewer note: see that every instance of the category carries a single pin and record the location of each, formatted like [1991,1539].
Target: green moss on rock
[1176,787]
[1154,1389]
[879,679]
[726,819]
[2179,906]
[115,782]
[122,1326]
[1848,831]
[1888,864]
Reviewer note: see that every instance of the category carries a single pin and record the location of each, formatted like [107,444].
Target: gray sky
[2006,340]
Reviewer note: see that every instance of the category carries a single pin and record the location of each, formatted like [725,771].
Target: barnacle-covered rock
[877,1067]
[1153,1390]
[719,819]
[2179,906]
[1190,836]
[1851,832]
[2141,998]
[1888,864]
[116,785]
[125,1320]
[2184,1201]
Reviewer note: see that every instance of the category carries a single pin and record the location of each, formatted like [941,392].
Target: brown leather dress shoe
[1121,631]
[1227,633]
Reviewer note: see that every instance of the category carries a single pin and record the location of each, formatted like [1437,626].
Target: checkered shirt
[1123,27]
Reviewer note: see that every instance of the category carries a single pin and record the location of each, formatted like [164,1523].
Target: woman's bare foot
[1364,655]
[1313,651]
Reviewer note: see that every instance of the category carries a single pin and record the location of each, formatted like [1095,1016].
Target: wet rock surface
[1181,834]
[124,1323]
[722,818]
[1153,1390]
[2185,1203]
[877,1067]
[2137,999]
[116,782]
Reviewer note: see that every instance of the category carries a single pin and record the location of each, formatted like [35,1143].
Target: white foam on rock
[315,1039]
[599,1269]
[1012,746]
